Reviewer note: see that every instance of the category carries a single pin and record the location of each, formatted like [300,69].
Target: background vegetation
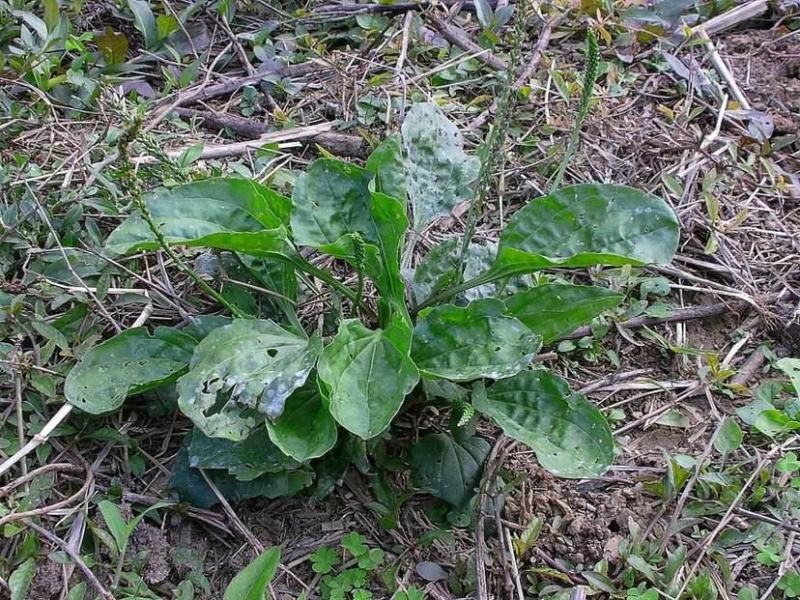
[692,363]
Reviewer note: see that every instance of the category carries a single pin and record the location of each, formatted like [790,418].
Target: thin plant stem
[125,139]
[443,296]
[492,149]
[590,76]
[141,205]
[131,178]
[358,251]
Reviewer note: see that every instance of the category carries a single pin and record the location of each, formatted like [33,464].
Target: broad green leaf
[251,583]
[789,584]
[484,12]
[306,429]
[554,310]
[52,14]
[225,213]
[323,560]
[115,524]
[166,26]
[335,212]
[20,580]
[386,162]
[729,437]
[112,45]
[241,370]
[749,413]
[201,325]
[585,225]
[437,271]
[773,422]
[332,200]
[145,22]
[276,276]
[127,364]
[184,590]
[192,487]
[245,460]
[600,581]
[381,260]
[439,174]
[448,469]
[77,592]
[791,366]
[355,544]
[383,263]
[478,259]
[570,437]
[644,567]
[50,333]
[366,374]
[478,340]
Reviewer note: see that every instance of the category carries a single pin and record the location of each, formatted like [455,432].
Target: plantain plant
[280,403]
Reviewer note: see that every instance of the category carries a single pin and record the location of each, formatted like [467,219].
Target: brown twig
[492,465]
[239,148]
[457,36]
[525,74]
[248,535]
[74,556]
[749,368]
[236,83]
[341,144]
[74,498]
[681,314]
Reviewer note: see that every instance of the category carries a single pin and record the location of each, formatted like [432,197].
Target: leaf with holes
[243,370]
[332,200]
[570,437]
[306,428]
[225,213]
[245,460]
[554,310]
[439,174]
[447,468]
[465,343]
[127,364]
[438,271]
[365,375]
[585,225]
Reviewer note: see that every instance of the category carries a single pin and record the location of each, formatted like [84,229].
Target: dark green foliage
[267,399]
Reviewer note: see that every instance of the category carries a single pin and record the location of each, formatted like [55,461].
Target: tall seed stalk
[130,178]
[492,149]
[589,77]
